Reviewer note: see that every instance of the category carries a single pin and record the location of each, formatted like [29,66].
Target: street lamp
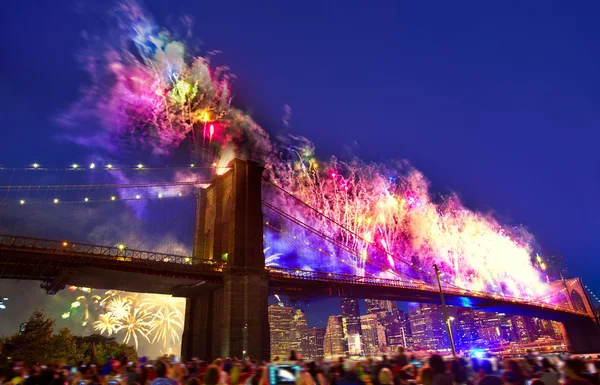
[437,274]
[449,322]
[245,342]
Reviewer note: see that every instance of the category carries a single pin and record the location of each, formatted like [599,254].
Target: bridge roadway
[59,263]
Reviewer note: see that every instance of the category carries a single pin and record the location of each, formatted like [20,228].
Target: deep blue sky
[495,100]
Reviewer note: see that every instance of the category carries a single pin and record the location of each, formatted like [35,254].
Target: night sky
[496,101]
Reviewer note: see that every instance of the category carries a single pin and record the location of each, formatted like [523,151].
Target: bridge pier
[582,335]
[233,320]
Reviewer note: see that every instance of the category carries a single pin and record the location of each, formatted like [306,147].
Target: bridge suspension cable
[107,167]
[366,242]
[374,245]
[107,208]
[322,235]
[105,185]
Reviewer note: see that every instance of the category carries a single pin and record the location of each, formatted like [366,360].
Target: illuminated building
[351,325]
[524,329]
[381,338]
[354,344]
[280,320]
[334,338]
[489,327]
[368,324]
[405,339]
[313,343]
[390,317]
[429,330]
[392,324]
[298,325]
[464,329]
[375,306]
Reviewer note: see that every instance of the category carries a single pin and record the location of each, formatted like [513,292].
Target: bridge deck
[87,265]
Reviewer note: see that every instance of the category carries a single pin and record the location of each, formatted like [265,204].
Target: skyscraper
[334,337]
[298,325]
[351,325]
[312,343]
[405,339]
[280,319]
[368,324]
[391,321]
[389,316]
[375,306]
[428,327]
[489,328]
[381,338]
[524,329]
[464,328]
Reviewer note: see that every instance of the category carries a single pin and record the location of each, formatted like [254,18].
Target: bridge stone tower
[231,320]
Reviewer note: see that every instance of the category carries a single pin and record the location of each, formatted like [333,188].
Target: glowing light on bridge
[75,165]
[55,200]
[35,165]
[109,166]
[92,166]
[22,201]
[140,166]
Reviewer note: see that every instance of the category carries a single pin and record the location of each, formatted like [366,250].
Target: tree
[35,343]
[65,347]
[38,343]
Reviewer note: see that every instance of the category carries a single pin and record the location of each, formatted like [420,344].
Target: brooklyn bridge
[228,276]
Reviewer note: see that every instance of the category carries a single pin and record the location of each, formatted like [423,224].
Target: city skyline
[384,328]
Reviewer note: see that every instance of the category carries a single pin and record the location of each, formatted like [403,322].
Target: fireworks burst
[149,316]
[107,324]
[119,307]
[136,323]
[382,219]
[165,326]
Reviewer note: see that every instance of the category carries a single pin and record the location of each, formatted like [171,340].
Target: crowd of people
[401,369]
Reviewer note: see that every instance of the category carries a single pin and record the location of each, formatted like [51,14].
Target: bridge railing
[279,273]
[113,253]
[83,251]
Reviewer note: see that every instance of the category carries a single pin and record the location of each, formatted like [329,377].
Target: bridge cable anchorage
[356,235]
[464,290]
[330,240]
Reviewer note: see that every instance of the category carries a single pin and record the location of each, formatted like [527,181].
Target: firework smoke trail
[159,96]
